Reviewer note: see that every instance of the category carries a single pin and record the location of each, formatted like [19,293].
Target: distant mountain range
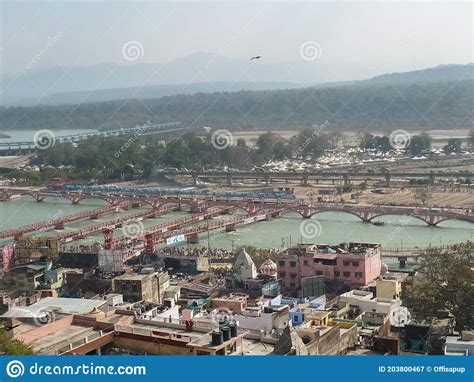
[45,86]
[436,74]
[199,72]
[157,91]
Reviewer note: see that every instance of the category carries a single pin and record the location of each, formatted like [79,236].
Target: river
[28,135]
[398,233]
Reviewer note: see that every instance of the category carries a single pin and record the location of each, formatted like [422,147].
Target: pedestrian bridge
[430,215]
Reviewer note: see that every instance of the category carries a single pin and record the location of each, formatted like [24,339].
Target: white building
[244,267]
[366,302]
[268,319]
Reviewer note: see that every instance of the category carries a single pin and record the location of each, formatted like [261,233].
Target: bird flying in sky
[255,58]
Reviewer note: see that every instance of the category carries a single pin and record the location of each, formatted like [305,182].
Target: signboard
[312,286]
[175,239]
[111,260]
[271,289]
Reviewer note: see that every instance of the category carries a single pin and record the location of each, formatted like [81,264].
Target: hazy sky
[375,37]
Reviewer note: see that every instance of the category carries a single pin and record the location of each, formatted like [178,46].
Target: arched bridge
[431,216]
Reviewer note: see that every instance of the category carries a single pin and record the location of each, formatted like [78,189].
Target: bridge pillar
[306,213]
[432,179]
[304,180]
[366,216]
[230,228]
[5,196]
[195,179]
[229,179]
[387,180]
[432,220]
[267,180]
[150,243]
[136,205]
[346,180]
[109,239]
[59,226]
[193,239]
[402,260]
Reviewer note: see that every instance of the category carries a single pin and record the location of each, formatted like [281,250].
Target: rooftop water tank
[217,338]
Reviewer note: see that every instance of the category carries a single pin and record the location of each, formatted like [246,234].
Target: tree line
[368,107]
[132,157]
[140,157]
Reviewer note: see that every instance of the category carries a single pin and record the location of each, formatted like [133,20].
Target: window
[282,274]
[281,263]
[355,263]
[292,275]
[292,285]
[337,274]
[358,275]
[346,263]
[319,273]
[292,263]
[305,262]
[346,274]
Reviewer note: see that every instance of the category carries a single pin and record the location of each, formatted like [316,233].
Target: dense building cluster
[313,299]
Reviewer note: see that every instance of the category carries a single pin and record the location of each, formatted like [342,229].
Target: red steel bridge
[204,208]
[60,222]
[431,216]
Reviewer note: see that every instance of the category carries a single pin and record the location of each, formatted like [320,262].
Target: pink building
[354,264]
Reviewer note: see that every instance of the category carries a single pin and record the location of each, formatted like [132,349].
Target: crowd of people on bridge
[213,253]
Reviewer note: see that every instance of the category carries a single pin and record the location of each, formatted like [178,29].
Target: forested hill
[445,104]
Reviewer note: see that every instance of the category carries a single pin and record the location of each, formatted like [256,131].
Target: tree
[313,142]
[371,142]
[419,143]
[445,283]
[12,346]
[423,194]
[269,145]
[454,146]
